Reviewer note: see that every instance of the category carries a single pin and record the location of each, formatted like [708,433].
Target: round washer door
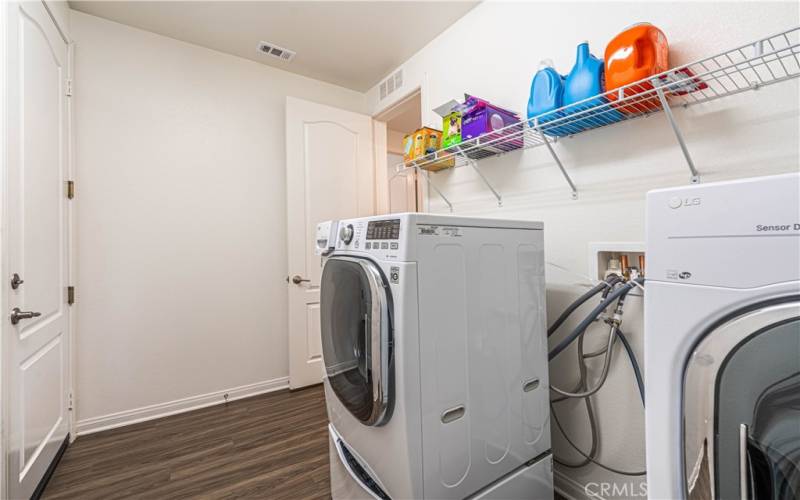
[357,337]
[742,407]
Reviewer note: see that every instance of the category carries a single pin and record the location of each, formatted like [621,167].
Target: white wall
[394,142]
[181,212]
[493,52]
[60,12]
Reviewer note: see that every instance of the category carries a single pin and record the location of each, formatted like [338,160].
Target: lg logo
[676,202]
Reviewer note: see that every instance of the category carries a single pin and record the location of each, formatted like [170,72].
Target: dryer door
[742,408]
[356,337]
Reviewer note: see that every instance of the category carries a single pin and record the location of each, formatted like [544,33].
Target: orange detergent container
[637,53]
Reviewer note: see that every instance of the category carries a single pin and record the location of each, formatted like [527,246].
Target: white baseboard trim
[136,415]
[571,489]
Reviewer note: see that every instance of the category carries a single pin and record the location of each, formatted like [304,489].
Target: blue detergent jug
[547,91]
[584,81]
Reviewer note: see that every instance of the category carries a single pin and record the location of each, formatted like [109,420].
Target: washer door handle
[744,466]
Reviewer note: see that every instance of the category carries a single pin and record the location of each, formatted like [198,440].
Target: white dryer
[722,340]
[434,345]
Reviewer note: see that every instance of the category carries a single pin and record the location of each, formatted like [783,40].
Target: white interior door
[35,349]
[402,187]
[330,175]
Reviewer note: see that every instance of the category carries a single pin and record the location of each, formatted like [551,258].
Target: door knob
[17,315]
[297,279]
[16,281]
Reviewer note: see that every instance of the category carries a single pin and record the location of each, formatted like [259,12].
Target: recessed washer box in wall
[600,253]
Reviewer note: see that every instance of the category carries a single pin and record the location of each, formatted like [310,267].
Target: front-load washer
[435,354]
[722,340]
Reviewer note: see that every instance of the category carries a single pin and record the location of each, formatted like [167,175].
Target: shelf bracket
[433,186]
[474,165]
[668,112]
[557,160]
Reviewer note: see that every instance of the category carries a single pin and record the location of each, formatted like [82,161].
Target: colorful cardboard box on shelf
[433,140]
[451,122]
[482,119]
[451,129]
[423,144]
[419,143]
[433,143]
[408,148]
[477,117]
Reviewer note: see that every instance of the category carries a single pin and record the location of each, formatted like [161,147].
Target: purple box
[481,118]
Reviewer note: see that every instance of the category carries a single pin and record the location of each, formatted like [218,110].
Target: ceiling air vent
[391,84]
[276,51]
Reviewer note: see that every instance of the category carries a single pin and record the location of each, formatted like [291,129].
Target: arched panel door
[36,266]
[330,175]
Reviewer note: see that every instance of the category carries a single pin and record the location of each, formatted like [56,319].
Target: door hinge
[70,295]
[70,402]
[68,92]
[70,189]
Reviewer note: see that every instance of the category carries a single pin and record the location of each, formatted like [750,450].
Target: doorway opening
[403,190]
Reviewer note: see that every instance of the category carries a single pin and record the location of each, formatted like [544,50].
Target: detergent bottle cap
[545,63]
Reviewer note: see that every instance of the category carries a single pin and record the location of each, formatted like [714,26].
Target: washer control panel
[383,229]
[383,235]
[346,233]
[380,237]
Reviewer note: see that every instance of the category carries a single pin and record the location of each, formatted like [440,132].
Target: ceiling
[351,44]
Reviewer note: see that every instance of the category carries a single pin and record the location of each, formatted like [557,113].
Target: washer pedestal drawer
[534,482]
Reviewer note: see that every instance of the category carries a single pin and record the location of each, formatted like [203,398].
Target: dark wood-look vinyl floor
[271,446]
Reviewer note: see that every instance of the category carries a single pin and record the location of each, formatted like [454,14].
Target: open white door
[330,175]
[35,319]
[402,187]
[394,193]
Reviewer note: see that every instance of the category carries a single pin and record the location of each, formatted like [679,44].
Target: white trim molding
[145,413]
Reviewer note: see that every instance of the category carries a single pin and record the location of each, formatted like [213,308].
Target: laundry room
[400,249]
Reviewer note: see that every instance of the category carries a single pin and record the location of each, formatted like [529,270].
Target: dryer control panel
[707,234]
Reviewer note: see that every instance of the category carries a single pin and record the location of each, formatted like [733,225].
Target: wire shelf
[749,67]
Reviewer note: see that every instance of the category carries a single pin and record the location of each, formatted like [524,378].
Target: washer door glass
[356,343]
[758,413]
[742,407]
